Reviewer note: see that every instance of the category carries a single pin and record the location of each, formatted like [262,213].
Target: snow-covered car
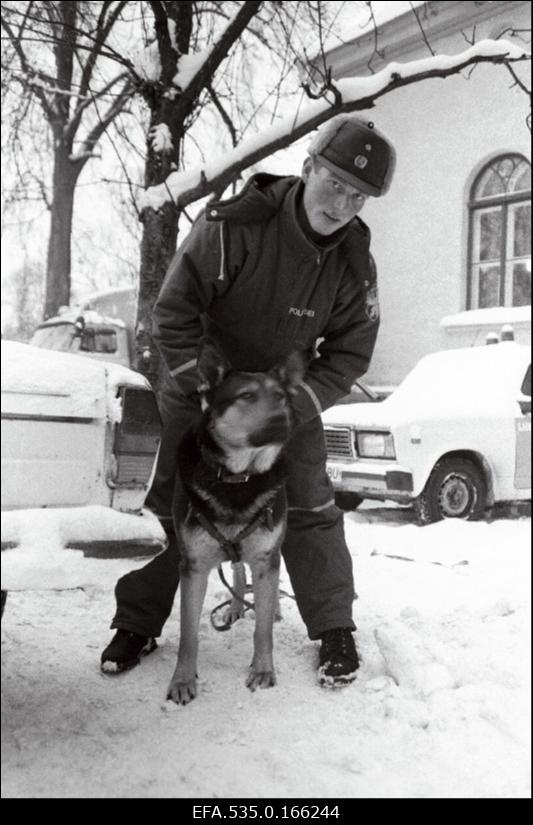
[79,444]
[453,439]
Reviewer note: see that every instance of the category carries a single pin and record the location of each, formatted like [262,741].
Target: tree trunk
[160,232]
[160,229]
[58,278]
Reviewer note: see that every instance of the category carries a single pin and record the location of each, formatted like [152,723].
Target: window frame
[503,201]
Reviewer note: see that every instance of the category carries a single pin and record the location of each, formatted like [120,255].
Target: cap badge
[360,161]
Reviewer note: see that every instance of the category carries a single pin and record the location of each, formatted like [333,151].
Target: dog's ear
[291,371]
[212,365]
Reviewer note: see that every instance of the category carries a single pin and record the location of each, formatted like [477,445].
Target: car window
[98,340]
[60,337]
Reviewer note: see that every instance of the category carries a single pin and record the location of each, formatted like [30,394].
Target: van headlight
[375,445]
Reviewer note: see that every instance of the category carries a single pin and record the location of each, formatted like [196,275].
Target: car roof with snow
[477,381]
[90,316]
[486,369]
[70,383]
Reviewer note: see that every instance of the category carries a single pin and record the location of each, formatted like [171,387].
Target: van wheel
[456,488]
[347,501]
[4,599]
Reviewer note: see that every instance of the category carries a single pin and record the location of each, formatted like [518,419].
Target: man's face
[329,202]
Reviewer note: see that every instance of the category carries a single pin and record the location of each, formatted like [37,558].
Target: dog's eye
[247,396]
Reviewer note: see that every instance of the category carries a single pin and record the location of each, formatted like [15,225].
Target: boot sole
[327,681]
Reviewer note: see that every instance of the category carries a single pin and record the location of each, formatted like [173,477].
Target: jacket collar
[263,195]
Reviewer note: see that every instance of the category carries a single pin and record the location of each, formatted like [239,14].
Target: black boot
[338,659]
[125,651]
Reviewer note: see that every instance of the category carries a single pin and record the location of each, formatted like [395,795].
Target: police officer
[283,264]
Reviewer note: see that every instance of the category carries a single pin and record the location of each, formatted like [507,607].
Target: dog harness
[231,547]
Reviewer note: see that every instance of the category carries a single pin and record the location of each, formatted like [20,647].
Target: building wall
[443,130]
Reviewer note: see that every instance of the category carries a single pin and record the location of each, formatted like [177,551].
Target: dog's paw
[182,692]
[260,679]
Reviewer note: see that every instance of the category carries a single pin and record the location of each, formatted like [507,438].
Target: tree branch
[26,67]
[421,27]
[517,80]
[223,114]
[103,28]
[167,52]
[89,100]
[97,131]
[202,79]
[350,97]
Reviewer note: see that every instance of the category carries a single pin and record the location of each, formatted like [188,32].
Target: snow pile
[44,558]
[440,707]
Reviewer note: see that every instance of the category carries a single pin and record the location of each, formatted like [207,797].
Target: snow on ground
[440,707]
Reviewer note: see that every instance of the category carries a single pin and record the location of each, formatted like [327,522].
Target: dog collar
[223,474]
[232,478]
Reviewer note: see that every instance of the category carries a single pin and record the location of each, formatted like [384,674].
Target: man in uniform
[283,264]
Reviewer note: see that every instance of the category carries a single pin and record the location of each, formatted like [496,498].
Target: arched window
[500,234]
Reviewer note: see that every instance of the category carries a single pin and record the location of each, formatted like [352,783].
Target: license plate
[334,473]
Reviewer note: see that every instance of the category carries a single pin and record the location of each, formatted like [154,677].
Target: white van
[101,327]
[79,442]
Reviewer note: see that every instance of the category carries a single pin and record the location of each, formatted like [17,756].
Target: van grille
[339,442]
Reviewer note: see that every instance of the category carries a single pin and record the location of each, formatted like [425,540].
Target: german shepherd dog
[233,474]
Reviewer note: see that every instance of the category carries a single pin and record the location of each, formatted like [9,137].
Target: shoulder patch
[371,298]
[372,303]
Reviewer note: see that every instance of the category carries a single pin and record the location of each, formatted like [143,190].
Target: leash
[247,605]
[227,625]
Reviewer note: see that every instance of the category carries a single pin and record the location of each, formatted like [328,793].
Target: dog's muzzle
[274,431]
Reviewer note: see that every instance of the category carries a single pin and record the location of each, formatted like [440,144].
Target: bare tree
[195,68]
[53,55]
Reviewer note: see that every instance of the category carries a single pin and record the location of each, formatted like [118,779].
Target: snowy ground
[440,709]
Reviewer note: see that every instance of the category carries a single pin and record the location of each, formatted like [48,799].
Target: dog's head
[248,409]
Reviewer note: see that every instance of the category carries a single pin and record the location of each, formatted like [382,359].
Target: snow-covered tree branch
[346,95]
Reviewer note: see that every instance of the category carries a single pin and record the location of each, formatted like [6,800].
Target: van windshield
[65,337]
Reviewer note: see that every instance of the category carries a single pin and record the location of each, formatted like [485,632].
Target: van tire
[456,488]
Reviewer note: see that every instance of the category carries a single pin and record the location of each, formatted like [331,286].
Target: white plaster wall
[443,131]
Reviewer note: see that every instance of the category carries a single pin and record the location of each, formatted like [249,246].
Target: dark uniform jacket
[249,277]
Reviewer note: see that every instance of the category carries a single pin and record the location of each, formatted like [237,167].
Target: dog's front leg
[265,581]
[182,688]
